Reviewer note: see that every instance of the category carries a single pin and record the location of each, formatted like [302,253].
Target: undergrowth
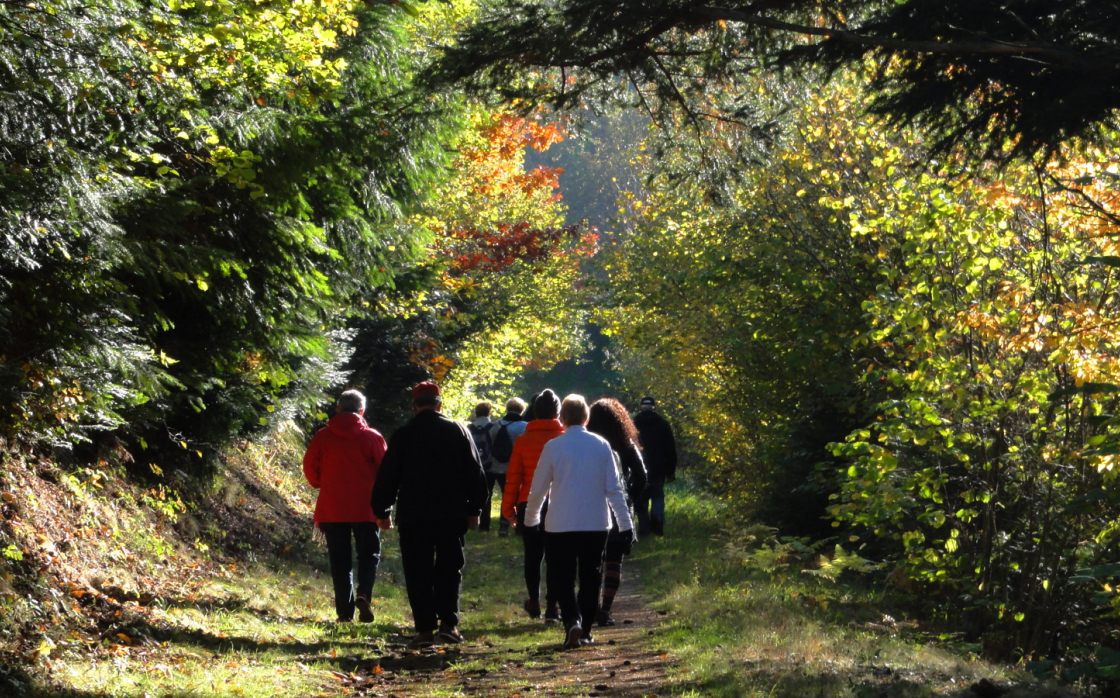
[751,614]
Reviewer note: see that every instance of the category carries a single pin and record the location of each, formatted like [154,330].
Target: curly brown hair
[610,420]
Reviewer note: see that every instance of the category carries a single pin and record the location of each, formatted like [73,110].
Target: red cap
[424,389]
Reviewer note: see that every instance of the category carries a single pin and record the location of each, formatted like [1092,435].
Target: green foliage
[736,311]
[189,219]
[976,466]
[760,548]
[946,325]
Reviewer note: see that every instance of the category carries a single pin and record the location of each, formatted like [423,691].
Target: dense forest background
[864,254]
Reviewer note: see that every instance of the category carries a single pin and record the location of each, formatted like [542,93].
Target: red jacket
[523,462]
[342,462]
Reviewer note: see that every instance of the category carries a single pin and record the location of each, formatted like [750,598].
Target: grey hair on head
[351,401]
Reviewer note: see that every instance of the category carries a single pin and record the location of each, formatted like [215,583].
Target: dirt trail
[621,662]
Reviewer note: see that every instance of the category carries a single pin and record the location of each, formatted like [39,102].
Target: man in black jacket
[659,451]
[433,474]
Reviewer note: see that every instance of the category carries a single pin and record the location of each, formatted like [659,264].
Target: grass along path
[266,631]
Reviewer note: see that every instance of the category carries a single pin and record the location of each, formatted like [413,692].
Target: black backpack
[502,450]
[481,436]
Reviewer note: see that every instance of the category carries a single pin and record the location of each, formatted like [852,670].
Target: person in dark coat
[341,462]
[659,450]
[433,474]
[610,420]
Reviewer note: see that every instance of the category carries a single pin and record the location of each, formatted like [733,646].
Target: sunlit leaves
[987,322]
[508,266]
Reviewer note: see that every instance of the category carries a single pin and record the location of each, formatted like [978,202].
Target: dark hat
[547,405]
[647,401]
[425,389]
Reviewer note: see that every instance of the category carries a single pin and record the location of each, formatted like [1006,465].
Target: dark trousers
[651,502]
[433,558]
[532,537]
[367,542]
[492,479]
[572,554]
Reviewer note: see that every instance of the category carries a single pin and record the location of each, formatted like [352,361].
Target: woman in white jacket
[577,473]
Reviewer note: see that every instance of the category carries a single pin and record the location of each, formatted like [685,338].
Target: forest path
[622,662]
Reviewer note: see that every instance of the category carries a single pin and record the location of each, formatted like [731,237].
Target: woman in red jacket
[519,478]
[342,462]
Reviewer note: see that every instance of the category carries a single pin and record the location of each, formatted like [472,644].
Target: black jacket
[659,448]
[431,471]
[633,471]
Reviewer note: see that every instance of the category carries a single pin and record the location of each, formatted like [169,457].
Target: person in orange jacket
[519,478]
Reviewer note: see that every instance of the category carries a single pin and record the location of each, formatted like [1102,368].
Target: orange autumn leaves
[1076,327]
[498,220]
[507,262]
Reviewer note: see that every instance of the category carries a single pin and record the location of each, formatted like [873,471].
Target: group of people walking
[568,473]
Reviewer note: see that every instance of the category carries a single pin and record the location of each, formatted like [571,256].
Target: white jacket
[578,468]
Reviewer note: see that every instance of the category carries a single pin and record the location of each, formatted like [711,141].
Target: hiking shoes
[365,613]
[572,636]
[451,635]
[552,615]
[604,619]
[423,639]
[533,608]
[587,640]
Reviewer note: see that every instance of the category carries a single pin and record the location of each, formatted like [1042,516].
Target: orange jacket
[523,462]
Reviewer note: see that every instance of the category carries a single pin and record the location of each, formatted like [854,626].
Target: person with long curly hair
[610,420]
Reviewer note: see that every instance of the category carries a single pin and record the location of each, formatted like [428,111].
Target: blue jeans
[651,503]
[367,541]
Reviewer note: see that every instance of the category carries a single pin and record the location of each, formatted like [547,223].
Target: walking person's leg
[641,508]
[562,566]
[484,520]
[532,539]
[589,547]
[340,560]
[612,579]
[657,504]
[418,561]
[447,583]
[367,543]
[503,522]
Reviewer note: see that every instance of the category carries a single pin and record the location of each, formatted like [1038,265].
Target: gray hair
[351,401]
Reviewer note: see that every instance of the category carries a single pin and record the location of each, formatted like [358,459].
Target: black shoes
[572,637]
[552,615]
[657,525]
[604,619]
